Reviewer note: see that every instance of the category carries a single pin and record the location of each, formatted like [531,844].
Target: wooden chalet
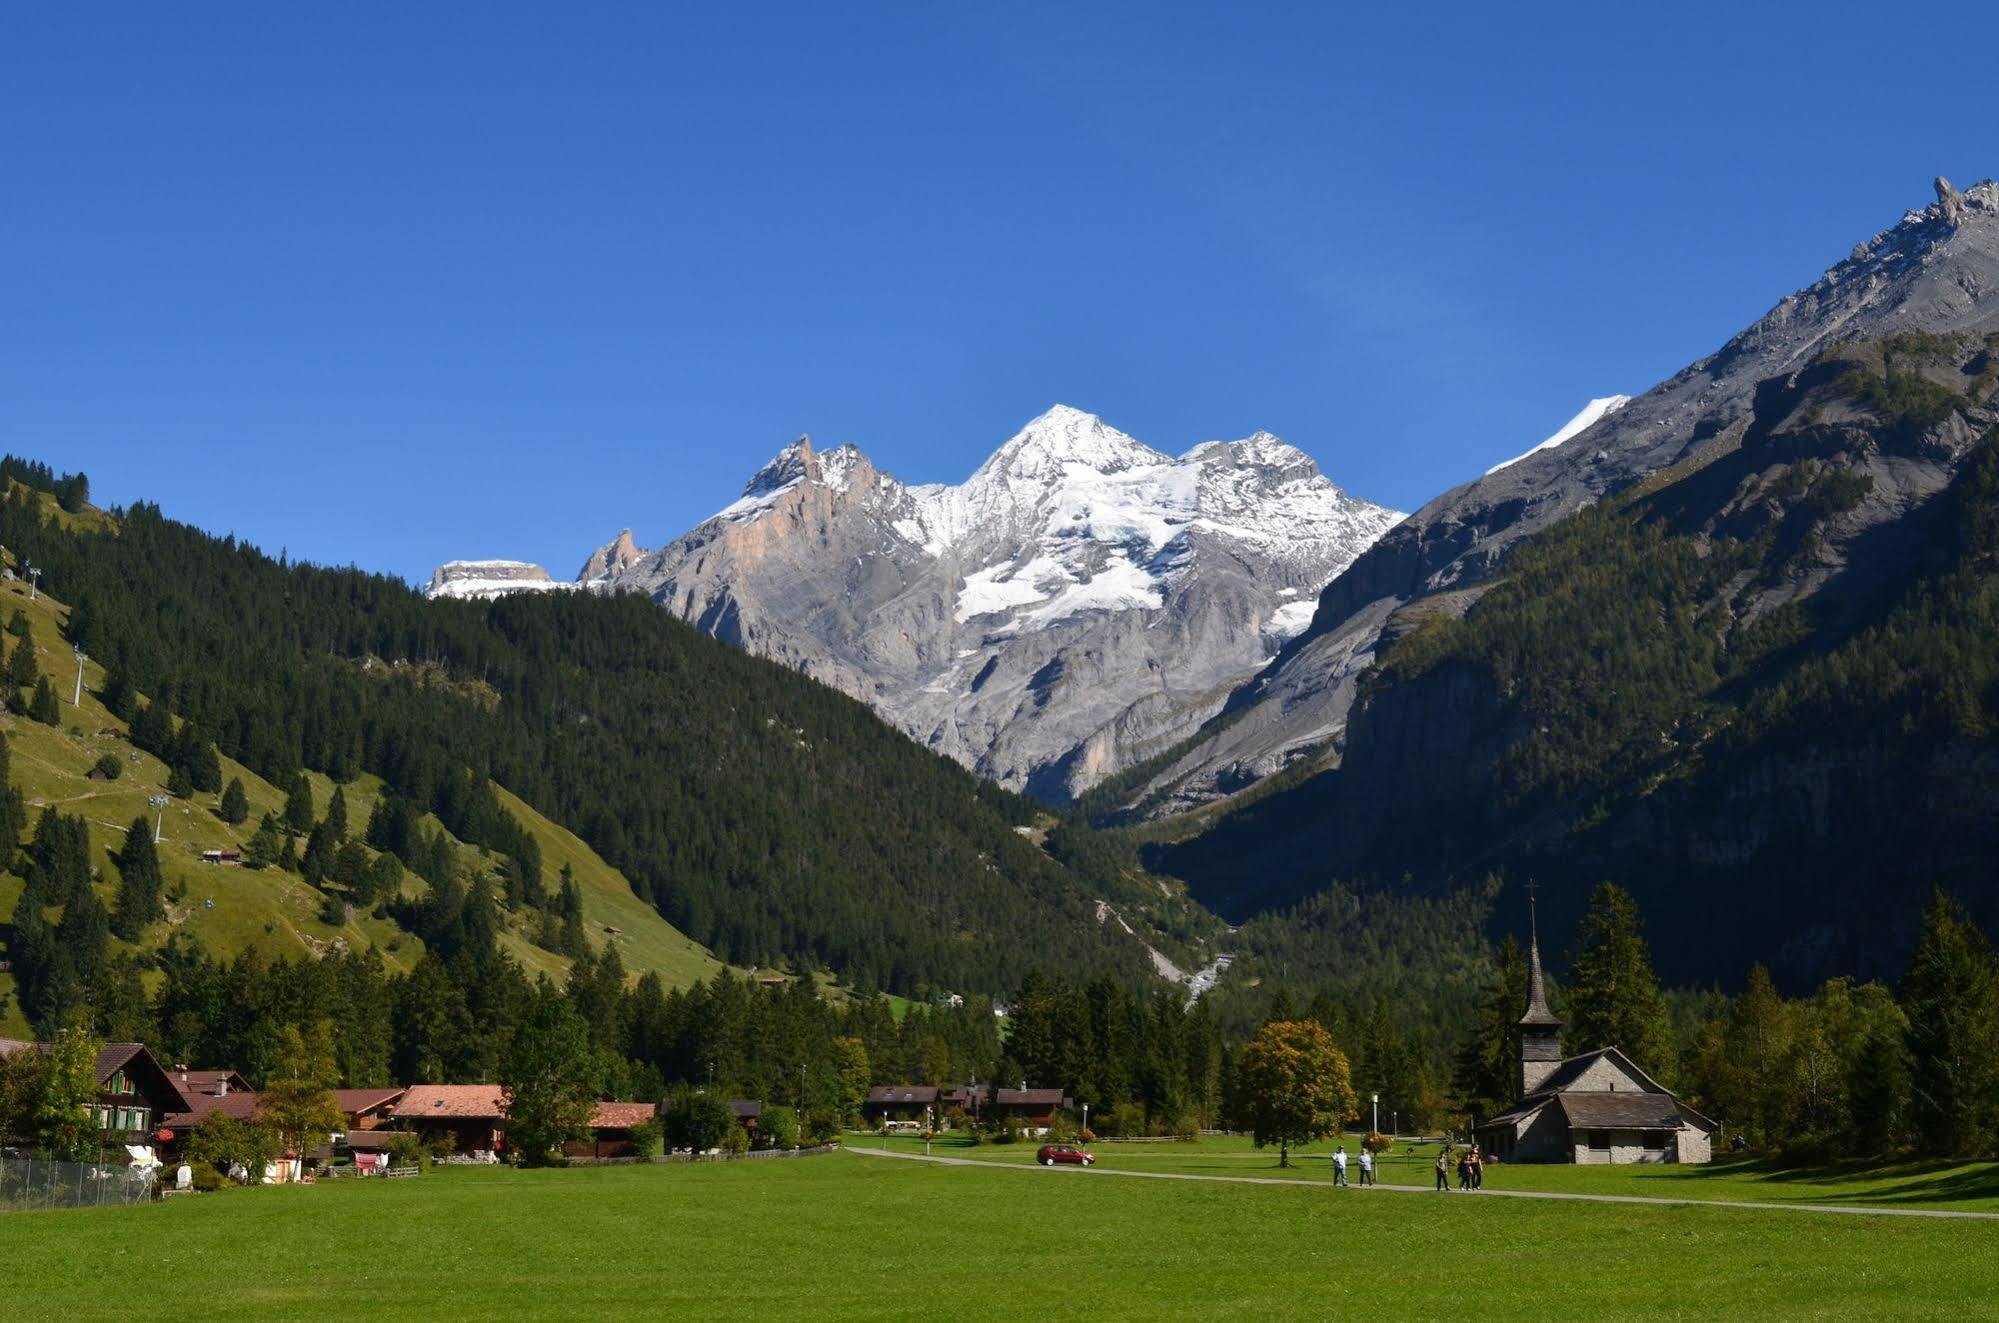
[473,1116]
[611,1126]
[1033,1110]
[368,1109]
[133,1090]
[900,1103]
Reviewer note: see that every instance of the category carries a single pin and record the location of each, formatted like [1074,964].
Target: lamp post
[159,803]
[1375,1098]
[1086,1116]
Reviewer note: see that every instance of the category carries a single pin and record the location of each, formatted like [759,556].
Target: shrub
[698,1121]
[205,1178]
[1125,1119]
[409,1151]
[1087,1135]
[110,765]
[443,1146]
[778,1126]
[648,1139]
[737,1140]
[1377,1143]
[822,1126]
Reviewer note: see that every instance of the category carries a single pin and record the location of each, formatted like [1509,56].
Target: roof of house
[454,1101]
[1028,1097]
[201,1106]
[1619,1111]
[355,1101]
[918,1095]
[746,1109]
[620,1115]
[9,1046]
[114,1057]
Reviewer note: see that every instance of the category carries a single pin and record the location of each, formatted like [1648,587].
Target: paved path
[1852,1210]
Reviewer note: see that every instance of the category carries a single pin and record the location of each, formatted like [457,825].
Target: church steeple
[1540,1031]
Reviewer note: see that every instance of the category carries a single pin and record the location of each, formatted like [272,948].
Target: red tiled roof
[242,1106]
[458,1101]
[620,1115]
[355,1101]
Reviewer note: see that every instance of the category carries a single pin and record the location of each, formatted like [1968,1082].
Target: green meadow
[846,1236]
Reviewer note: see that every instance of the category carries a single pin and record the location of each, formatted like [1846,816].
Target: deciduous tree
[1296,1085]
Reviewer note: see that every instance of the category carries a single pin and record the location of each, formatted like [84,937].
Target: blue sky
[399,283]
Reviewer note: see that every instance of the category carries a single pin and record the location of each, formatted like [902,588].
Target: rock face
[1937,271]
[1079,603]
[489,578]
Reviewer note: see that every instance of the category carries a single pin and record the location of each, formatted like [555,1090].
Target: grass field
[846,1236]
[1970,1186]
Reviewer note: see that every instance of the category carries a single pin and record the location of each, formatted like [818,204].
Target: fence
[754,1155]
[31,1186]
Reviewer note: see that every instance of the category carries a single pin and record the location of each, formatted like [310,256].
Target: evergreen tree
[1488,1066]
[1614,998]
[204,768]
[264,848]
[288,852]
[139,881]
[336,815]
[1951,997]
[21,667]
[17,624]
[235,806]
[180,784]
[298,805]
[316,864]
[43,706]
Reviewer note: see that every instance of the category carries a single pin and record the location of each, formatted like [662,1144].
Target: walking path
[1853,1210]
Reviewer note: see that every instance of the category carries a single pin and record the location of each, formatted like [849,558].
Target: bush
[822,1126]
[698,1121]
[409,1151]
[1087,1135]
[205,1178]
[648,1139]
[110,765]
[737,1140]
[1377,1143]
[443,1146]
[778,1127]
[1124,1120]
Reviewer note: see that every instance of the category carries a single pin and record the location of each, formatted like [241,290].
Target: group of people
[1366,1165]
[1471,1169]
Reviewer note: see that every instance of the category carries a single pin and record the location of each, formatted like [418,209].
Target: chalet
[472,1116]
[1598,1107]
[611,1127]
[222,856]
[900,1103]
[367,1109]
[133,1090]
[965,1098]
[1033,1110]
[748,1111]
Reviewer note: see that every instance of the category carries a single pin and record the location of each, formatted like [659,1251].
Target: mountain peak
[1062,436]
[612,559]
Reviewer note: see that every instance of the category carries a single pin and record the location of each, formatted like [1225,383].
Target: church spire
[1538,1015]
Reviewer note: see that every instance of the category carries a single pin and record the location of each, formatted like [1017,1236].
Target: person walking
[1366,1167]
[1340,1165]
[1477,1168]
[1443,1172]
[1464,1170]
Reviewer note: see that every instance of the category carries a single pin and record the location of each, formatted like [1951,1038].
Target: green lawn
[1968,1185]
[846,1236]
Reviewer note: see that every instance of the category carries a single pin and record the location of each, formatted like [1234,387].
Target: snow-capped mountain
[489,578]
[1077,604]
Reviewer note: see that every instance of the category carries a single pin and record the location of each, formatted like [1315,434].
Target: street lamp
[1086,1116]
[1375,1098]
[159,803]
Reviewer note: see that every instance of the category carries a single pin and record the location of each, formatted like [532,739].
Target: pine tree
[288,853]
[17,624]
[43,707]
[1488,1066]
[138,881]
[1614,998]
[21,667]
[235,806]
[336,815]
[179,784]
[1951,996]
[204,768]
[298,805]
[263,849]
[316,864]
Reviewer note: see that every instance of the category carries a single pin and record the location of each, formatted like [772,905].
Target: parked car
[1051,1154]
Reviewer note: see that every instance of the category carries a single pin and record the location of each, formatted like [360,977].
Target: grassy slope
[275,911]
[844,1236]
[1967,1185]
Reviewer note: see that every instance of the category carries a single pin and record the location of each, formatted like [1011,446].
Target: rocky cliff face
[488,578]
[1079,603]
[1937,271]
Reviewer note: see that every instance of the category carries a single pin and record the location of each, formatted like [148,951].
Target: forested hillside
[1761,689]
[763,814]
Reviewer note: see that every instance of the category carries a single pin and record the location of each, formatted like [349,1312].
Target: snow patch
[1593,412]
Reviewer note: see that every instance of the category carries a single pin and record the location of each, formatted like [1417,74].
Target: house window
[1599,1141]
[1655,1141]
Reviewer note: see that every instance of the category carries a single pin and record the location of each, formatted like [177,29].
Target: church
[1598,1107]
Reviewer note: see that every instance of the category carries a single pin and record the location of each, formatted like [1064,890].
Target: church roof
[1538,1015]
[1565,1075]
[1619,1111]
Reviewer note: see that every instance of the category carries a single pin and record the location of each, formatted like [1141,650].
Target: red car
[1051,1154]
